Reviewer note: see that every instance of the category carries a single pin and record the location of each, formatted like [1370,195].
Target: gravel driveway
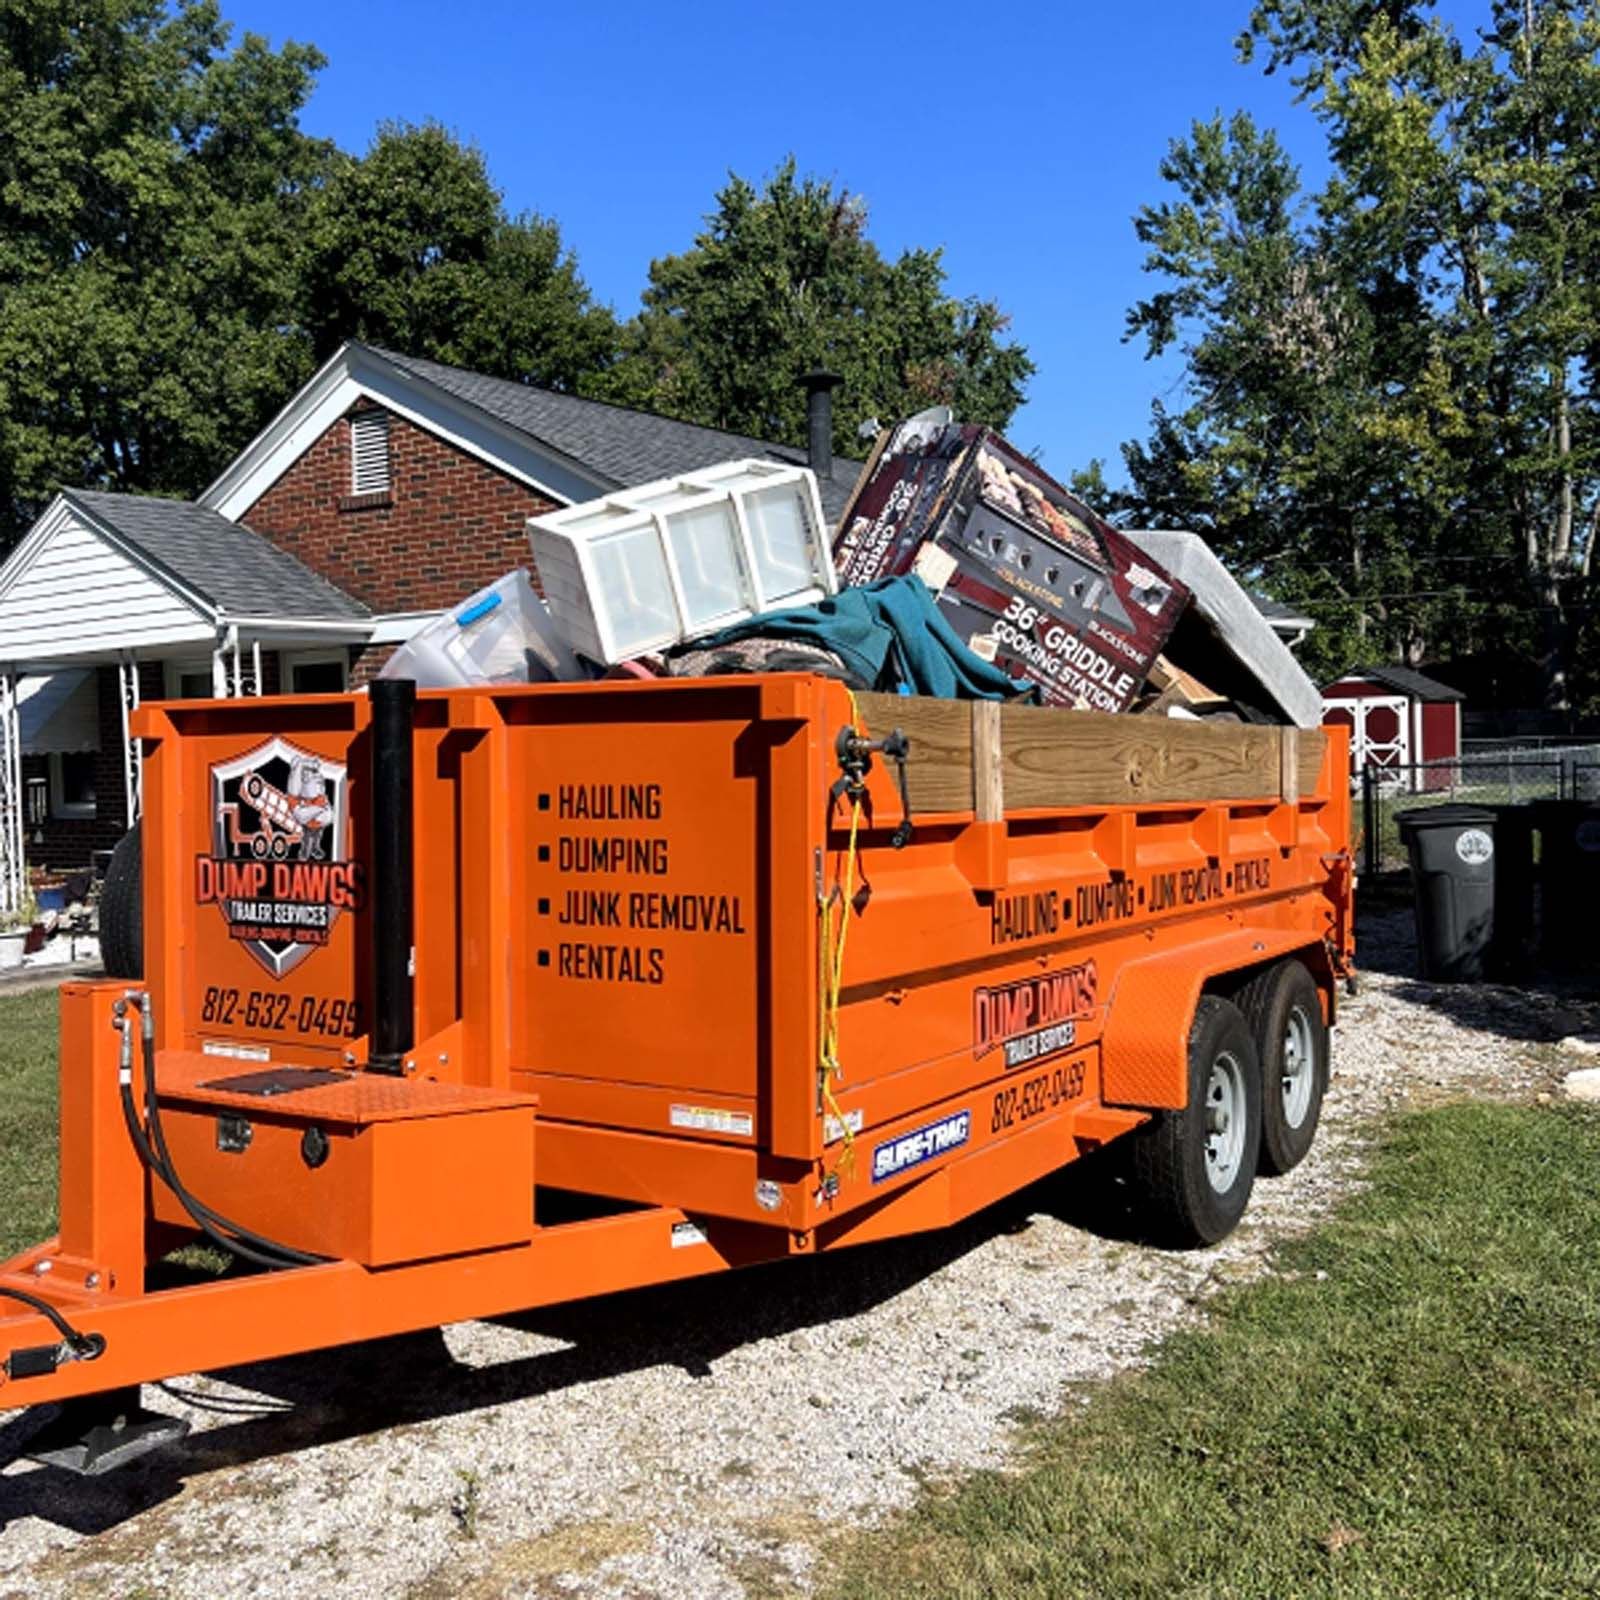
[708,1440]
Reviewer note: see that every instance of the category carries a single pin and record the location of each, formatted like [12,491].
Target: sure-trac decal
[927,1143]
[279,870]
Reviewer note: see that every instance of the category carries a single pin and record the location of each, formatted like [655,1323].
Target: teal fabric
[891,635]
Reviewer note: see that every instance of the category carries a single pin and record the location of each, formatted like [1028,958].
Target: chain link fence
[1499,775]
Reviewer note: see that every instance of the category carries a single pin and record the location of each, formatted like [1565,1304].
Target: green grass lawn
[27,1119]
[1407,1408]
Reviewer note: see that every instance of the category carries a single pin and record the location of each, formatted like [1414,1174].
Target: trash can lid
[1446,816]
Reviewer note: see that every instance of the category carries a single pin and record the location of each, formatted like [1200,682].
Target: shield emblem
[279,868]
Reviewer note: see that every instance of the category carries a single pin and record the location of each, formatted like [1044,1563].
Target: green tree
[784,279]
[410,247]
[152,184]
[1429,483]
[176,254]
[1314,445]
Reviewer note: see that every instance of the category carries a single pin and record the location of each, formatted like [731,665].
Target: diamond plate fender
[1145,1046]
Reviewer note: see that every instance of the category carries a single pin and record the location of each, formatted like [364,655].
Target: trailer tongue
[757,967]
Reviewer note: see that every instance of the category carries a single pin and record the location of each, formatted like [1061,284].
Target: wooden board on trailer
[1051,757]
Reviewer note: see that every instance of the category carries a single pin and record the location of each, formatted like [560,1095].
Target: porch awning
[58,713]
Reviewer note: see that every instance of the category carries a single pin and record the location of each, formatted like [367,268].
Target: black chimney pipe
[394,704]
[820,385]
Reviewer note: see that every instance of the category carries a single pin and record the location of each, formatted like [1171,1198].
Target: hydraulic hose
[150,1141]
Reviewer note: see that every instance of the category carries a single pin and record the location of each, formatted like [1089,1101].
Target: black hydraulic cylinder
[394,703]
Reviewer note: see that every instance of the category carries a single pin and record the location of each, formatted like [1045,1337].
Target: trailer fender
[1145,1046]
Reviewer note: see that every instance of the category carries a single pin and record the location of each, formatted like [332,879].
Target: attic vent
[369,453]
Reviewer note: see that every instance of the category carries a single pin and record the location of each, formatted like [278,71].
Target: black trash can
[1452,877]
[1569,883]
[1512,944]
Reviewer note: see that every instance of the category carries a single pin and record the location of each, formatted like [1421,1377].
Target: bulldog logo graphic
[279,868]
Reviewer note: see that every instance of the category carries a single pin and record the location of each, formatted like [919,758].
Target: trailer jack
[98,1432]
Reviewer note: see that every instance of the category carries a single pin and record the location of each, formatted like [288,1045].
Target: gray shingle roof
[1276,610]
[1403,680]
[625,446]
[235,569]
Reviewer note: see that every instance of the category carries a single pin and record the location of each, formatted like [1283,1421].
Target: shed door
[1380,731]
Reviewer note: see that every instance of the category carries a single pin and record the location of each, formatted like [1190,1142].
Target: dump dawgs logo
[1034,1018]
[279,868]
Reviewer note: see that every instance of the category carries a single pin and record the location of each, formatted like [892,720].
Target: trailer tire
[1284,1010]
[1193,1169]
[122,909]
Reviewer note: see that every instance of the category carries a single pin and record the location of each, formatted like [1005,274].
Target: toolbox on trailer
[351,1164]
[758,966]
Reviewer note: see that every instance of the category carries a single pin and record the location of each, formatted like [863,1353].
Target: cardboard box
[1027,575]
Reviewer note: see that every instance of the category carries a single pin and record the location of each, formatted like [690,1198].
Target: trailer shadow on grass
[329,1396]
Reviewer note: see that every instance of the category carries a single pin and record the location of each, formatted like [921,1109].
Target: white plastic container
[644,568]
[502,634]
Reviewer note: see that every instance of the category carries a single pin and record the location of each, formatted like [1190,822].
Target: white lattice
[132,756]
[13,868]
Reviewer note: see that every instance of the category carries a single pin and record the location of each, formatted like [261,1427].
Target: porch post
[12,869]
[132,763]
[255,666]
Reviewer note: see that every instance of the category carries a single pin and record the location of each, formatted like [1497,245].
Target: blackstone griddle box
[1028,576]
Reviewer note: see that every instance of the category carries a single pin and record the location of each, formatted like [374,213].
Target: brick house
[387,489]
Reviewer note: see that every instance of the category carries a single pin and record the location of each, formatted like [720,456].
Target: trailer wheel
[122,909]
[1194,1168]
[1284,1010]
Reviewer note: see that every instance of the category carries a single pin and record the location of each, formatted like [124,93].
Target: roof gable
[73,588]
[568,448]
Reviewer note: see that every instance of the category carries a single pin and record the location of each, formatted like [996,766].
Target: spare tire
[122,909]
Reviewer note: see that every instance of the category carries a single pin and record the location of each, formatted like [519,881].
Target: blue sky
[1020,138]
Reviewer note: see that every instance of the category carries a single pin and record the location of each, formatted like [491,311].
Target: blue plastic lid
[481,609]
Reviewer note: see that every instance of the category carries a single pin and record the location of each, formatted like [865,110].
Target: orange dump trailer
[459,1003]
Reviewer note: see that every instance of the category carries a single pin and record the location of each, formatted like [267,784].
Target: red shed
[1397,718]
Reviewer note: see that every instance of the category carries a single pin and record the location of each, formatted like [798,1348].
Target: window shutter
[369,453]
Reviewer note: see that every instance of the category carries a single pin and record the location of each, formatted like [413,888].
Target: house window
[189,680]
[72,784]
[369,453]
[317,672]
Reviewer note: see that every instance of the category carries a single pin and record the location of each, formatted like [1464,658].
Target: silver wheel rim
[1224,1121]
[1299,1067]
